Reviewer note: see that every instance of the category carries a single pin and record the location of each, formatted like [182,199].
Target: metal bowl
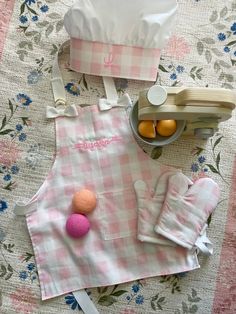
[158,140]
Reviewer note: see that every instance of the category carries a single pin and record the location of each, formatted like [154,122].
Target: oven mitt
[186,209]
[149,206]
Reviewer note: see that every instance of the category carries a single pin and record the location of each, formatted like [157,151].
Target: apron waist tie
[85,302]
[21,209]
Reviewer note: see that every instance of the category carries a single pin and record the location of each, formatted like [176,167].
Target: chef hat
[119,38]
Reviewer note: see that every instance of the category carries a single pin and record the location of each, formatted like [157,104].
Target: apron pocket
[118,214]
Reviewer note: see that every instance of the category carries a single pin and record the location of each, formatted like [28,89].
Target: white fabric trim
[68,111]
[85,302]
[56,80]
[107,104]
[203,243]
[21,209]
[110,88]
[58,89]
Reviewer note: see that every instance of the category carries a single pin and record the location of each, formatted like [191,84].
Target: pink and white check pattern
[110,253]
[186,209]
[114,60]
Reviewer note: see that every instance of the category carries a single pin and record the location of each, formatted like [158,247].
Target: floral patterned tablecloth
[201,52]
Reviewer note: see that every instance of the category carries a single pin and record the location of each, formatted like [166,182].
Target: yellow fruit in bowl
[147,129]
[166,127]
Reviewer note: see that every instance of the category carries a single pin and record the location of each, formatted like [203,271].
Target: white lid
[157,95]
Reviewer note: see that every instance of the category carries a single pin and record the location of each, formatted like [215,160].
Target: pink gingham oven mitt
[149,207]
[186,209]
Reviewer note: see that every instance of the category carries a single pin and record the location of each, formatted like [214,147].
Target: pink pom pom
[77,225]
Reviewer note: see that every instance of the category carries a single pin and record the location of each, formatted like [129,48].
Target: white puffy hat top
[127,23]
[136,23]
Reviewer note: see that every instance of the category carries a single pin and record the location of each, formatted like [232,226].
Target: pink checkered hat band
[121,61]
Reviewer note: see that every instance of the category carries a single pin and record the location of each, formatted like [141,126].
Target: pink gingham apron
[96,150]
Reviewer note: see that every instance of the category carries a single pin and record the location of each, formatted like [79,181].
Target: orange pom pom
[84,201]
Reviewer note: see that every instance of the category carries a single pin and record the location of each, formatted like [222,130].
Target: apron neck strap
[58,89]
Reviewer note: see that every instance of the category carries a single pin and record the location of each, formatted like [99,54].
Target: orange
[166,127]
[147,129]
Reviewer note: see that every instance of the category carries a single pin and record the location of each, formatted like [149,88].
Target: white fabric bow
[203,243]
[107,104]
[67,111]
